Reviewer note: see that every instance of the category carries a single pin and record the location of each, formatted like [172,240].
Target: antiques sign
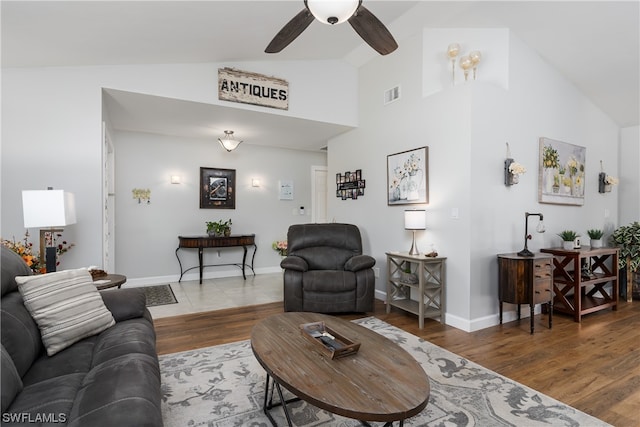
[252,88]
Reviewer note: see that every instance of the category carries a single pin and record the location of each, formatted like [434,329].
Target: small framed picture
[217,188]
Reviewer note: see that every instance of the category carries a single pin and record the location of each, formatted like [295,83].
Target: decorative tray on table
[329,341]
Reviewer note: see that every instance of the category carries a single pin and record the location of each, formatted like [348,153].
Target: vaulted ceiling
[595,44]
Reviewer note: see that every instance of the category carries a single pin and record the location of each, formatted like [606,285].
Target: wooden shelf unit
[429,289]
[584,292]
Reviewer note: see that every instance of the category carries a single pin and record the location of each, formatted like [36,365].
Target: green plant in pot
[569,239]
[219,228]
[627,238]
[595,235]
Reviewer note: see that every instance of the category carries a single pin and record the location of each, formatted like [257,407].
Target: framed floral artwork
[217,188]
[408,177]
[561,173]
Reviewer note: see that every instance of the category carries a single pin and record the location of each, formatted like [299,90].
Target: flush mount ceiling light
[228,142]
[332,12]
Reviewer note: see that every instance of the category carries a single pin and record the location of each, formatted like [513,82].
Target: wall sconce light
[539,228]
[414,220]
[467,62]
[512,169]
[255,182]
[142,194]
[175,179]
[475,57]
[605,182]
[452,53]
[228,141]
[48,210]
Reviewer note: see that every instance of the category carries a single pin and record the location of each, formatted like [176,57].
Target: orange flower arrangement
[24,248]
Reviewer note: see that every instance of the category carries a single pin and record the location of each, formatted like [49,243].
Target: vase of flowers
[24,248]
[280,246]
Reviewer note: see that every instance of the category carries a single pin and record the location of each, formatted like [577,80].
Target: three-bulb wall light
[468,63]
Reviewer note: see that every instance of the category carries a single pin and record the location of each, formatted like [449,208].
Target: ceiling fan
[330,12]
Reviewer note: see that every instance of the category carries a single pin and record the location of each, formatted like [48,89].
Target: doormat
[159,295]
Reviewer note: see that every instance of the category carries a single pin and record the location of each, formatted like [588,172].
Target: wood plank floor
[593,366]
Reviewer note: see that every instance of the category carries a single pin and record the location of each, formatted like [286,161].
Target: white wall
[466,127]
[147,234]
[52,127]
[629,188]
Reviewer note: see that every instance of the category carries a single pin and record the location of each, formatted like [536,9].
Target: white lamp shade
[48,208]
[415,219]
[342,10]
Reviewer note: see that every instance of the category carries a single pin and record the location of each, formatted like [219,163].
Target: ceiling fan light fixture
[228,142]
[332,12]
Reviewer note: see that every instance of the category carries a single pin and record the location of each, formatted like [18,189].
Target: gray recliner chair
[325,270]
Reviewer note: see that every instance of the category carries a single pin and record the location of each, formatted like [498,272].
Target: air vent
[391,95]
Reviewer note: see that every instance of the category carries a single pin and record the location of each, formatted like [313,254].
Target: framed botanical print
[561,173]
[408,177]
[217,188]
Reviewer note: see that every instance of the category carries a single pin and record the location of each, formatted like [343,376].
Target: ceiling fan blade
[290,31]
[373,31]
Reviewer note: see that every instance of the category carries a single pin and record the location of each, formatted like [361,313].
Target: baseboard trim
[195,276]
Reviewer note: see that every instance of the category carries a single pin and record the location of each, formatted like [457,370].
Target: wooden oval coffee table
[381,382]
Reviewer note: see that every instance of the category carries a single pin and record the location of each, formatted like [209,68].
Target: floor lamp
[48,210]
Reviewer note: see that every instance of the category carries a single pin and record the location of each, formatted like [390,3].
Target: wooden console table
[579,278]
[525,280]
[205,242]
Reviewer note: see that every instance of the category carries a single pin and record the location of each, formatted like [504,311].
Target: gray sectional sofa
[108,379]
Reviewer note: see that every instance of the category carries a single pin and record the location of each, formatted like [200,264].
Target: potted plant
[569,238]
[627,238]
[596,237]
[219,228]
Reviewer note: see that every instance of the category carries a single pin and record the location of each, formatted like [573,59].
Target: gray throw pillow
[66,306]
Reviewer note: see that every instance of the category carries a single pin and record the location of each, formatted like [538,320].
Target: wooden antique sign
[252,88]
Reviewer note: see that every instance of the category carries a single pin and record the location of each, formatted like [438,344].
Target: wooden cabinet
[422,276]
[525,280]
[581,278]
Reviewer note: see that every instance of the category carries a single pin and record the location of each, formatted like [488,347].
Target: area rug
[159,295]
[223,386]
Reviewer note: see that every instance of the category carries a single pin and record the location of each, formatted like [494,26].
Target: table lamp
[48,209]
[414,220]
[540,228]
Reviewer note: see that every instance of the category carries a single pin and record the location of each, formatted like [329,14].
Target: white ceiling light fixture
[332,12]
[228,141]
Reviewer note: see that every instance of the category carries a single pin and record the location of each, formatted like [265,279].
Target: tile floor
[219,293]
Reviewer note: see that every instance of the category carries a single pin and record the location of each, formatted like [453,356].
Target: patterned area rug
[159,295]
[223,386]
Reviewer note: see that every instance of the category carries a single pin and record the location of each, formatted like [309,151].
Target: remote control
[332,344]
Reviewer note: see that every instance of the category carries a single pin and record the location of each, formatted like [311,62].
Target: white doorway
[108,199]
[318,194]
